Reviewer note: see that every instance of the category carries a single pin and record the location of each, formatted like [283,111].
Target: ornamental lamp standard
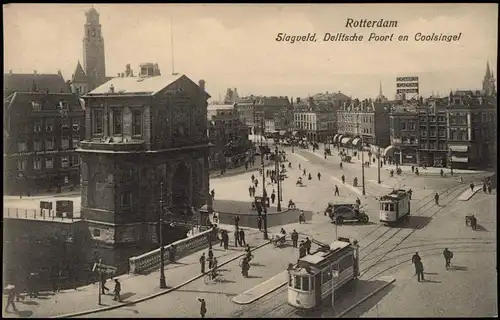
[278,176]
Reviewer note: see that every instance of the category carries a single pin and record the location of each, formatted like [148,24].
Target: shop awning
[282,132]
[335,137]
[346,140]
[459,148]
[294,133]
[356,141]
[340,137]
[459,159]
[389,151]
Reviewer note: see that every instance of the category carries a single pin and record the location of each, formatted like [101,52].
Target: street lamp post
[163,283]
[362,160]
[378,165]
[264,193]
[278,176]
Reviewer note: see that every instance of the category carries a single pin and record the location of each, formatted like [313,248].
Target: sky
[234,45]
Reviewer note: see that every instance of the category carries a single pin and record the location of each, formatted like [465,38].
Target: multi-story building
[93,72]
[231,96]
[471,129]
[489,87]
[228,136]
[432,135]
[315,120]
[42,129]
[254,110]
[404,136]
[141,133]
[365,119]
[330,101]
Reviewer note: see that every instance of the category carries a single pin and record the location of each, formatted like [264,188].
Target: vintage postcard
[250,160]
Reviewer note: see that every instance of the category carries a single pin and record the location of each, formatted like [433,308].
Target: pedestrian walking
[253,178]
[471,185]
[436,198]
[250,191]
[202,262]
[489,188]
[343,178]
[484,187]
[221,238]
[118,289]
[358,201]
[242,238]
[307,245]
[337,191]
[256,183]
[448,255]
[319,176]
[210,258]
[104,289]
[300,167]
[473,222]
[412,168]
[295,238]
[419,266]
[259,222]
[226,240]
[11,298]
[236,238]
[273,197]
[414,259]
[302,249]
[203,307]
[213,194]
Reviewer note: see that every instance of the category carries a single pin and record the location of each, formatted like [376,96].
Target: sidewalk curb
[374,292]
[82,313]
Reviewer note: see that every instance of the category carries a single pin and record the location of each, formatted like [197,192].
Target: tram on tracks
[318,275]
[395,207]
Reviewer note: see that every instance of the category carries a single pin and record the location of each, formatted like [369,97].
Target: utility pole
[278,176]
[163,283]
[362,160]
[451,162]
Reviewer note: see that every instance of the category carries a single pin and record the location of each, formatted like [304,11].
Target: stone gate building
[141,131]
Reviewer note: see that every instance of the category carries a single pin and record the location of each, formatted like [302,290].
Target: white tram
[310,281]
[395,206]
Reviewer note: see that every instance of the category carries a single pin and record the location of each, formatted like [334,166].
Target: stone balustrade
[151,260]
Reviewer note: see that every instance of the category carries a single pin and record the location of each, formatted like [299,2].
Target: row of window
[432,133]
[354,129]
[408,126]
[66,162]
[433,145]
[355,118]
[36,106]
[117,117]
[49,125]
[22,146]
[425,118]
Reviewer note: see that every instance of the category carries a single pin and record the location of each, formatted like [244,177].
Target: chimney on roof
[201,83]
[111,89]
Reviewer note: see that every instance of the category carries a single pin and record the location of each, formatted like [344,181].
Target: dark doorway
[181,186]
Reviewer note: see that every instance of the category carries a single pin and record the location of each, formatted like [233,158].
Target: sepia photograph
[250,160]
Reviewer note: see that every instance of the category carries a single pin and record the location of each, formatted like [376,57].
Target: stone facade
[135,142]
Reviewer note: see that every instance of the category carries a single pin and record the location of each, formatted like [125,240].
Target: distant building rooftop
[135,85]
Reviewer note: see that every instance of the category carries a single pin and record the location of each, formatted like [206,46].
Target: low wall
[151,260]
[249,219]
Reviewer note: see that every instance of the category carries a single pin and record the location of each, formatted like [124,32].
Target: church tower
[489,81]
[94,63]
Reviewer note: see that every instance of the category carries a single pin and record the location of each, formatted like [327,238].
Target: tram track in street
[449,191]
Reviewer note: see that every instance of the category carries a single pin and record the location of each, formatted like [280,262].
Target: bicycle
[208,279]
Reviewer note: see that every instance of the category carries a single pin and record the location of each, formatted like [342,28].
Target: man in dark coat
[447,257]
[117,290]
[273,197]
[302,249]
[337,191]
[202,262]
[236,237]
[226,240]
[203,307]
[210,258]
[242,238]
[295,238]
[10,300]
[308,245]
[414,259]
[259,222]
